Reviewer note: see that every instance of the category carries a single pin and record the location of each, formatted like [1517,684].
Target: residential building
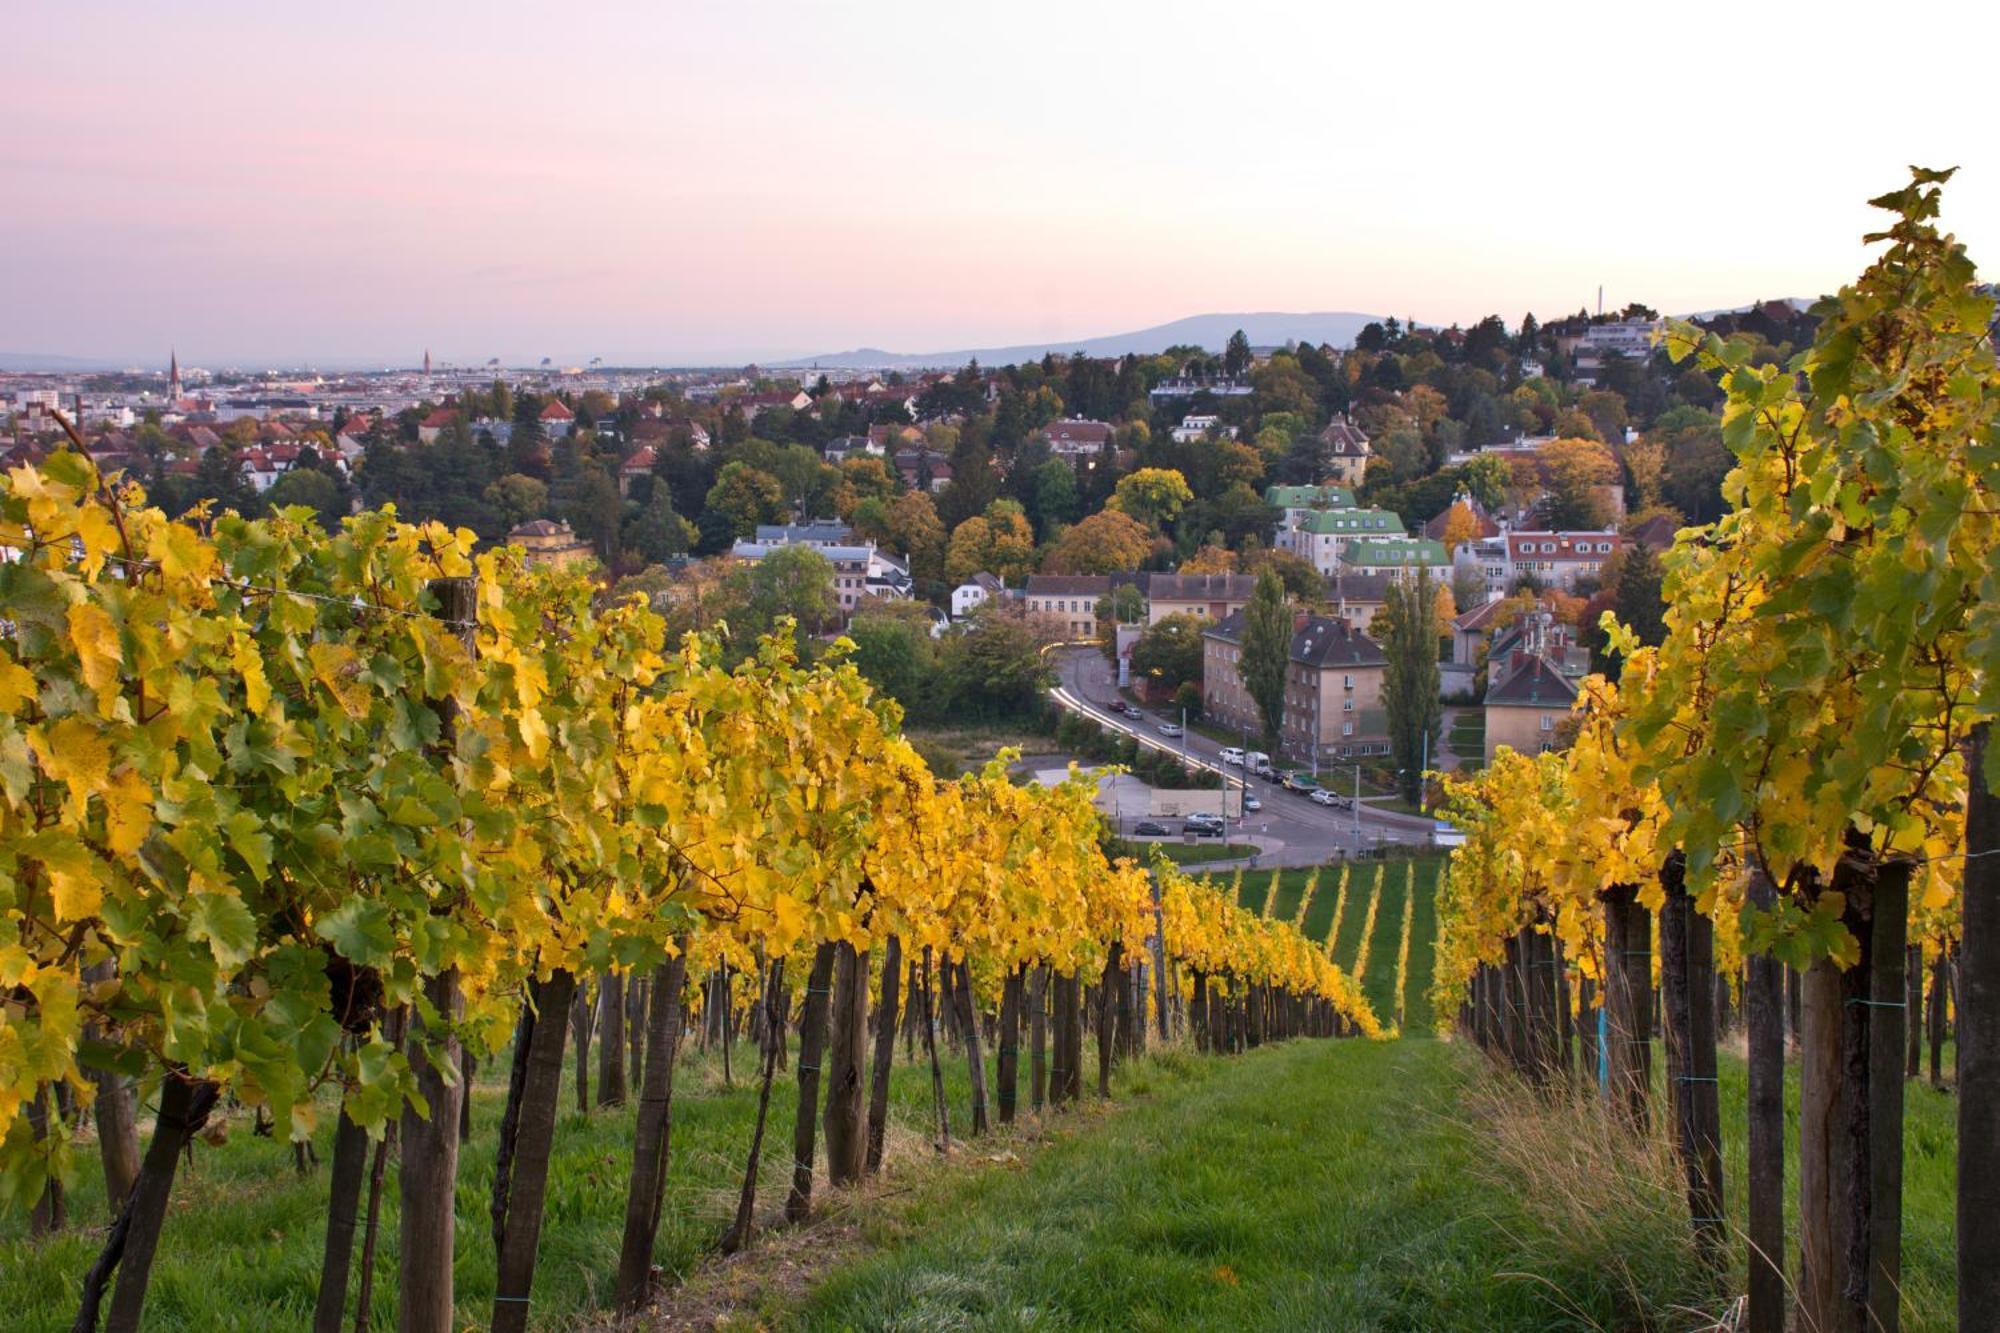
[974,593]
[549,543]
[640,464]
[1295,502]
[1626,339]
[923,469]
[1347,451]
[1212,596]
[1559,559]
[1188,387]
[1323,536]
[1070,598]
[1201,426]
[820,532]
[1075,438]
[1332,707]
[1358,598]
[557,420]
[1525,705]
[852,446]
[436,424]
[1398,557]
[860,571]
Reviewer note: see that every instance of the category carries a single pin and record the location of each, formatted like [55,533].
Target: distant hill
[1263,329]
[18,363]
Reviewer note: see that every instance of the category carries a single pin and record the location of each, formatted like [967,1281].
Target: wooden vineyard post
[1628,946]
[611,1040]
[1978,1059]
[812,1055]
[975,1056]
[930,1045]
[652,1137]
[1107,1037]
[428,1177]
[885,1051]
[1009,1070]
[1850,1108]
[1038,1037]
[579,1022]
[519,1203]
[774,1038]
[1764,1027]
[847,1053]
[1687,949]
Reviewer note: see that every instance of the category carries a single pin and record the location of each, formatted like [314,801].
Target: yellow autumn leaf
[99,536]
[128,812]
[74,754]
[98,654]
[74,884]
[249,664]
[16,684]
[534,733]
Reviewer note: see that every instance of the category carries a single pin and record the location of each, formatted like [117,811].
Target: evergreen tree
[1236,355]
[1267,651]
[1407,631]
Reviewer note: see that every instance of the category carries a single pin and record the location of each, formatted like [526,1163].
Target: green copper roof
[1406,551]
[1340,522]
[1309,497]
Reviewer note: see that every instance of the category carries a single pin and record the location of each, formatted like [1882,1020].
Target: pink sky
[258,183]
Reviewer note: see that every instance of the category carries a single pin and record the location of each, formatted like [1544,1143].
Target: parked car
[1232,756]
[1321,796]
[1147,828]
[1170,728]
[1340,802]
[1131,711]
[1250,801]
[1202,826]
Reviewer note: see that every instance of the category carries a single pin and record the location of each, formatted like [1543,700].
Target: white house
[974,593]
[1201,425]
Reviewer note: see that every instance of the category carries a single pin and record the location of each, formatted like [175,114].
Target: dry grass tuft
[1604,1207]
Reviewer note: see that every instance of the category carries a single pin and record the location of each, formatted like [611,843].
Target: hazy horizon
[714,185]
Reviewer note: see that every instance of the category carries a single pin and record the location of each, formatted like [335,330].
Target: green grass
[242,1242]
[1367,878]
[1321,1185]
[1930,1186]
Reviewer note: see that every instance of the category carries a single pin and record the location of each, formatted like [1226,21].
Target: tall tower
[427,363]
[173,376]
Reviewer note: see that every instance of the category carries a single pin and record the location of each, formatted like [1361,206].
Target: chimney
[1299,619]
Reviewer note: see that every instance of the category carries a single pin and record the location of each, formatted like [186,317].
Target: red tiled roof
[1528,545]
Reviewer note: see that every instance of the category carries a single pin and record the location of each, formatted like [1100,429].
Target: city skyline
[718,186]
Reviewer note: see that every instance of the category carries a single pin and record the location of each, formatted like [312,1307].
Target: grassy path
[1274,1191]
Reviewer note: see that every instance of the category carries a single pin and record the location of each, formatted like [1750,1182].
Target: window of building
[1347,705]
[1548,722]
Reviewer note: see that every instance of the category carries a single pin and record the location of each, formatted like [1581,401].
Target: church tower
[173,376]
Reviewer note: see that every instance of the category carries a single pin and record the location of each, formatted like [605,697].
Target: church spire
[173,374]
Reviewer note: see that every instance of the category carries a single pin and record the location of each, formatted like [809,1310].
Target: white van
[1258,762]
[1232,756]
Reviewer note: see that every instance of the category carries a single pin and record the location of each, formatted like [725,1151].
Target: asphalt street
[1290,829]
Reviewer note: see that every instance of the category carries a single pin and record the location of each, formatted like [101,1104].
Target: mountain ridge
[1264,328]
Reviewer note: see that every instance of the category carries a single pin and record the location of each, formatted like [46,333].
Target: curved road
[1310,833]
